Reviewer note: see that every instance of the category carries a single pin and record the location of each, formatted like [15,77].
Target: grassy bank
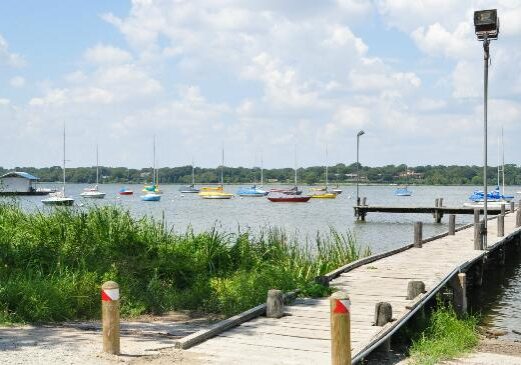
[446,337]
[52,264]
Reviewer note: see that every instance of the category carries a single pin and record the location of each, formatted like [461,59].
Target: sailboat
[403,190]
[59,197]
[216,192]
[94,193]
[292,195]
[190,188]
[324,193]
[152,192]
[254,191]
[495,198]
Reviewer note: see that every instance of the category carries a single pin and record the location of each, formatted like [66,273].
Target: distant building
[16,182]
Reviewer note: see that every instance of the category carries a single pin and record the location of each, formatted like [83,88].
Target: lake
[380,231]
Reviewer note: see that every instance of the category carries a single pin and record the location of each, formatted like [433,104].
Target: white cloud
[12,59]
[17,82]
[106,54]
[436,40]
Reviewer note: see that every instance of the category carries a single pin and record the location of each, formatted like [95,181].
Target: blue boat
[252,191]
[494,195]
[403,192]
[151,197]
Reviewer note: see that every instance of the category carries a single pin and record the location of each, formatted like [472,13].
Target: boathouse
[17,182]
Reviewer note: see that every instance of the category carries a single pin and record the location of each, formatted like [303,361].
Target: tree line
[340,173]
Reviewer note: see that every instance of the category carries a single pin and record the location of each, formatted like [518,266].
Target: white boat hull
[93,194]
[58,201]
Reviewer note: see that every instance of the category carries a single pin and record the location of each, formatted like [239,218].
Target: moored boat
[125,191]
[403,191]
[152,192]
[252,191]
[190,189]
[94,192]
[324,195]
[287,198]
[216,192]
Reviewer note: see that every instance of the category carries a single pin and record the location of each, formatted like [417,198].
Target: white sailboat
[59,197]
[190,189]
[152,192]
[94,193]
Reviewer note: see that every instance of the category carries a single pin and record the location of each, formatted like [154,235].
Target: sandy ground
[81,343]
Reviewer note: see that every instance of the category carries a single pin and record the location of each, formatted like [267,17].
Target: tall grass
[52,264]
[446,337]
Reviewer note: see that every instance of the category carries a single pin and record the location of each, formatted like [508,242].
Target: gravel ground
[80,343]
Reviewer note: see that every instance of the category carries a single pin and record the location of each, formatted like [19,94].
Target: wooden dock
[437,210]
[302,336]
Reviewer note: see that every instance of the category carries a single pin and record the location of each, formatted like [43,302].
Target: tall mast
[154,161]
[97,165]
[222,165]
[295,161]
[503,159]
[193,172]
[327,167]
[498,164]
[262,171]
[63,159]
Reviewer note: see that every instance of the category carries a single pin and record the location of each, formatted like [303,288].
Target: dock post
[364,201]
[500,225]
[418,228]
[479,235]
[415,288]
[452,224]
[518,217]
[512,206]
[437,202]
[440,202]
[503,212]
[459,288]
[383,314]
[275,304]
[340,306]
[110,317]
[476,216]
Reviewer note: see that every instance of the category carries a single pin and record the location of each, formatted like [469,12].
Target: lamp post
[486,24]
[357,165]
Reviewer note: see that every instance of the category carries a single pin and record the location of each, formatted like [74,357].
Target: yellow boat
[215,195]
[211,188]
[325,195]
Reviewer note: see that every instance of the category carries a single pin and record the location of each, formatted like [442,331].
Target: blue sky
[256,76]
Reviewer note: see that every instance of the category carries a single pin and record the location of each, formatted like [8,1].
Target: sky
[259,77]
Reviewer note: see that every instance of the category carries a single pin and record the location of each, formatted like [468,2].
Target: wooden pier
[437,210]
[403,280]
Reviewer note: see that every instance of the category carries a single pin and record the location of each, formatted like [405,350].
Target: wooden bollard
[415,288]
[110,317]
[459,288]
[512,206]
[340,328]
[383,314]
[479,232]
[476,215]
[364,201]
[518,217]
[440,202]
[275,304]
[452,224]
[418,228]
[437,202]
[501,225]
[503,212]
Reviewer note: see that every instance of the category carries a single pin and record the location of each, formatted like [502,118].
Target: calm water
[380,232]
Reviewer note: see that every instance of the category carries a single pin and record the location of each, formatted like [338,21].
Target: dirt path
[80,343]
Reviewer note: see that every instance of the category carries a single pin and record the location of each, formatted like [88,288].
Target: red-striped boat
[287,198]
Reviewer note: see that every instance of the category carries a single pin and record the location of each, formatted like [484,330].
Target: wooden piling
[383,314]
[440,202]
[500,225]
[437,202]
[415,288]
[503,209]
[364,201]
[479,232]
[518,218]
[275,304]
[459,288]
[340,328]
[476,216]
[418,228]
[452,224]
[512,206]
[110,317]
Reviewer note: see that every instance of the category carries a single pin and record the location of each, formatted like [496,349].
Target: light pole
[486,24]
[358,165]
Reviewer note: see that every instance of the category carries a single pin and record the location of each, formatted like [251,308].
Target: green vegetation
[446,337]
[52,264]
[340,173]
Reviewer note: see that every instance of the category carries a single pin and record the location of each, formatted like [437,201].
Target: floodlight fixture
[486,24]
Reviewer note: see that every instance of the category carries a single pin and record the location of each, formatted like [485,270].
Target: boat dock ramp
[386,290]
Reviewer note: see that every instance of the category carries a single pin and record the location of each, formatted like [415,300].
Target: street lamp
[358,164]
[486,24]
